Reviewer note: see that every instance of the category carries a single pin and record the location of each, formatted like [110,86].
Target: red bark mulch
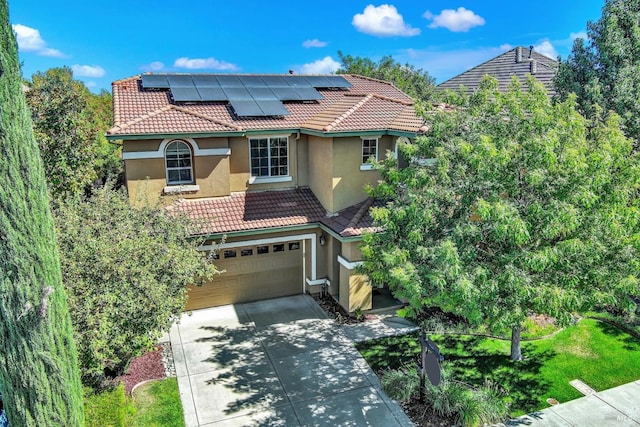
[146,367]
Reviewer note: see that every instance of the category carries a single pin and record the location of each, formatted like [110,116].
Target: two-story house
[275,164]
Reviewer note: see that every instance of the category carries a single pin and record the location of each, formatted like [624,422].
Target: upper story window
[369,150]
[269,157]
[179,163]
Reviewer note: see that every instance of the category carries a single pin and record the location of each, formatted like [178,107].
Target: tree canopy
[126,270]
[509,206]
[38,359]
[69,123]
[603,71]
[414,82]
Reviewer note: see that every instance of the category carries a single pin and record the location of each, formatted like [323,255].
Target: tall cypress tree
[38,360]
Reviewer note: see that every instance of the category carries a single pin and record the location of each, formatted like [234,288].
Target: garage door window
[294,246]
[230,253]
[263,249]
[278,248]
[246,252]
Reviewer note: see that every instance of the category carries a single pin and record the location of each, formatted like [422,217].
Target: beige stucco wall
[320,170]
[146,178]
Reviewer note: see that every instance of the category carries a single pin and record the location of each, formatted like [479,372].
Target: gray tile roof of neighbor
[518,61]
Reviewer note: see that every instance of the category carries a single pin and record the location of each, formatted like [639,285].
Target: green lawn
[599,354]
[157,403]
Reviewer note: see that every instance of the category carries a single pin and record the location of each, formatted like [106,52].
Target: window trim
[167,168]
[253,179]
[365,166]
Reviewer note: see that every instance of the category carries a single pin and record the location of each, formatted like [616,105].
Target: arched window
[178,158]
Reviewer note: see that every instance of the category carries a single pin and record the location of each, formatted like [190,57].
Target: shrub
[401,384]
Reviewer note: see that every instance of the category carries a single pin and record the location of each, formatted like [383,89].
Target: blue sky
[105,41]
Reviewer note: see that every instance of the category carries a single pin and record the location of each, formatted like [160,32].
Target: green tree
[603,71]
[510,206]
[415,83]
[64,130]
[126,270]
[38,361]
[108,162]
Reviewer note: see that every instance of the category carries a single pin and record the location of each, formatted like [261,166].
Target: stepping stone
[582,387]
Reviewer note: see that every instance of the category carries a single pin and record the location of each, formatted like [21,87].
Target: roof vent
[533,67]
[530,51]
[518,54]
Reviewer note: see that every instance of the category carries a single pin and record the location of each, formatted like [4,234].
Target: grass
[154,404]
[158,403]
[597,353]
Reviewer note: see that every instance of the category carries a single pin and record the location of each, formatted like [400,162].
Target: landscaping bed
[597,353]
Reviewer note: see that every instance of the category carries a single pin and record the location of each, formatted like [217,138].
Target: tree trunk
[38,360]
[516,353]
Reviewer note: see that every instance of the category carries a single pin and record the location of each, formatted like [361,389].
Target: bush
[108,408]
[401,384]
[467,405]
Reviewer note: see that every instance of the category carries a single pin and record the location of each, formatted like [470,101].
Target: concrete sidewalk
[619,406]
[278,362]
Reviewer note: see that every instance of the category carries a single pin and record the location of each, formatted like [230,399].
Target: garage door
[252,273]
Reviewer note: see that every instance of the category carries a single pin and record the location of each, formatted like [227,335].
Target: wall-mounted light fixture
[322,239]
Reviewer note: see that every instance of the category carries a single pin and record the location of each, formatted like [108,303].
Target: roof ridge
[205,117]
[347,113]
[358,216]
[140,119]
[374,80]
[388,98]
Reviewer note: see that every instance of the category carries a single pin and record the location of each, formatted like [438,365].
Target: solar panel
[286,93]
[238,93]
[317,81]
[205,80]
[338,81]
[185,94]
[272,108]
[308,93]
[273,81]
[229,81]
[180,80]
[255,81]
[212,94]
[246,108]
[297,81]
[156,81]
[261,93]
[327,81]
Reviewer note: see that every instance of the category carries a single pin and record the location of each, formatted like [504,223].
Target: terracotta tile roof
[368,105]
[354,220]
[502,67]
[252,210]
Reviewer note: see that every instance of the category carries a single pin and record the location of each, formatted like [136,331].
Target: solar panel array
[249,95]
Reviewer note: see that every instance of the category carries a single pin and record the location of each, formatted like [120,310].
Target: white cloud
[88,70]
[578,35]
[505,47]
[90,84]
[313,43]
[383,21]
[459,20]
[326,65]
[156,66]
[546,48]
[200,63]
[29,40]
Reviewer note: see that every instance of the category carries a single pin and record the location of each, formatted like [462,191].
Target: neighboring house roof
[368,105]
[519,61]
[252,210]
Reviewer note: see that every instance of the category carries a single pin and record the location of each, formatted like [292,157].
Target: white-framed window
[369,150]
[179,163]
[269,157]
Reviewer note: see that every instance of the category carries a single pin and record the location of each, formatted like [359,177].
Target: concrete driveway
[278,362]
